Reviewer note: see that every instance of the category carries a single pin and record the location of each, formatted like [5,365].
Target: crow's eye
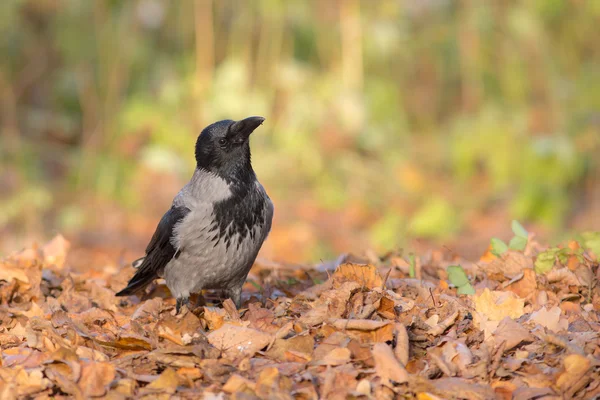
[222,142]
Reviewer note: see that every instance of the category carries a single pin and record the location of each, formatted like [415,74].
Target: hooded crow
[217,223]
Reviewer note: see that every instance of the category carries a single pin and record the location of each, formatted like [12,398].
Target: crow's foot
[180,302]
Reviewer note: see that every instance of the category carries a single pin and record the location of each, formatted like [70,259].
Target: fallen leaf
[29,382]
[302,344]
[167,382]
[575,366]
[364,387]
[550,319]
[236,341]
[387,367]
[511,333]
[261,319]
[365,275]
[8,272]
[337,356]
[365,330]
[497,305]
[95,378]
[401,350]
[457,388]
[55,251]
[272,384]
[525,286]
[239,384]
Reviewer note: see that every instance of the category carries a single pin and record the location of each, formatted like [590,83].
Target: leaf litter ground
[354,328]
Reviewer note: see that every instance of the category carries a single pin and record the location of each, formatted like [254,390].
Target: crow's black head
[224,148]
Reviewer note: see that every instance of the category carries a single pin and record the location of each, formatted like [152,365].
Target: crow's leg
[235,294]
[180,302]
[200,300]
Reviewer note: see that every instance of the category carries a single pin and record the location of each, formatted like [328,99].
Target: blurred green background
[389,124]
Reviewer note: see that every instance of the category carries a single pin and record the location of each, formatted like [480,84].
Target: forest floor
[519,322]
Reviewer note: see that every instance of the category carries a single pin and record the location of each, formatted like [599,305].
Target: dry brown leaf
[261,319]
[364,387]
[401,351]
[315,316]
[337,356]
[387,367]
[190,373]
[357,324]
[239,384]
[445,324]
[387,308]
[526,286]
[181,329]
[95,378]
[563,276]
[130,342]
[272,384]
[9,271]
[427,396]
[361,352]
[511,333]
[214,317]
[124,387]
[28,382]
[493,306]
[68,335]
[575,366]
[497,305]
[365,330]
[299,344]
[457,353]
[149,309]
[365,275]
[236,341]
[167,382]
[331,342]
[55,251]
[231,310]
[457,388]
[550,318]
[91,354]
[510,264]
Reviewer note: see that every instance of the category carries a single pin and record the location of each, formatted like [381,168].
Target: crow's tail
[140,280]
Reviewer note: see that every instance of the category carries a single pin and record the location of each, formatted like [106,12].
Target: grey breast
[206,260]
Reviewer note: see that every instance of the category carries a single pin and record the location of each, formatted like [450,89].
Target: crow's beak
[247,126]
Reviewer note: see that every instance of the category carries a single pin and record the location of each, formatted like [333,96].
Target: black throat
[239,214]
[236,171]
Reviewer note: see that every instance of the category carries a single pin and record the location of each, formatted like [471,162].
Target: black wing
[159,252]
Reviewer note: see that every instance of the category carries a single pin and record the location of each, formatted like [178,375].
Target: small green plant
[412,263]
[458,277]
[546,259]
[518,242]
[591,241]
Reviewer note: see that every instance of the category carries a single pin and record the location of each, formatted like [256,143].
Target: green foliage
[546,259]
[517,242]
[412,261]
[498,247]
[465,289]
[384,232]
[591,241]
[518,229]
[347,105]
[458,277]
[436,217]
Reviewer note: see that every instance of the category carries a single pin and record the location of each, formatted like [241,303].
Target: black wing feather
[159,252]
